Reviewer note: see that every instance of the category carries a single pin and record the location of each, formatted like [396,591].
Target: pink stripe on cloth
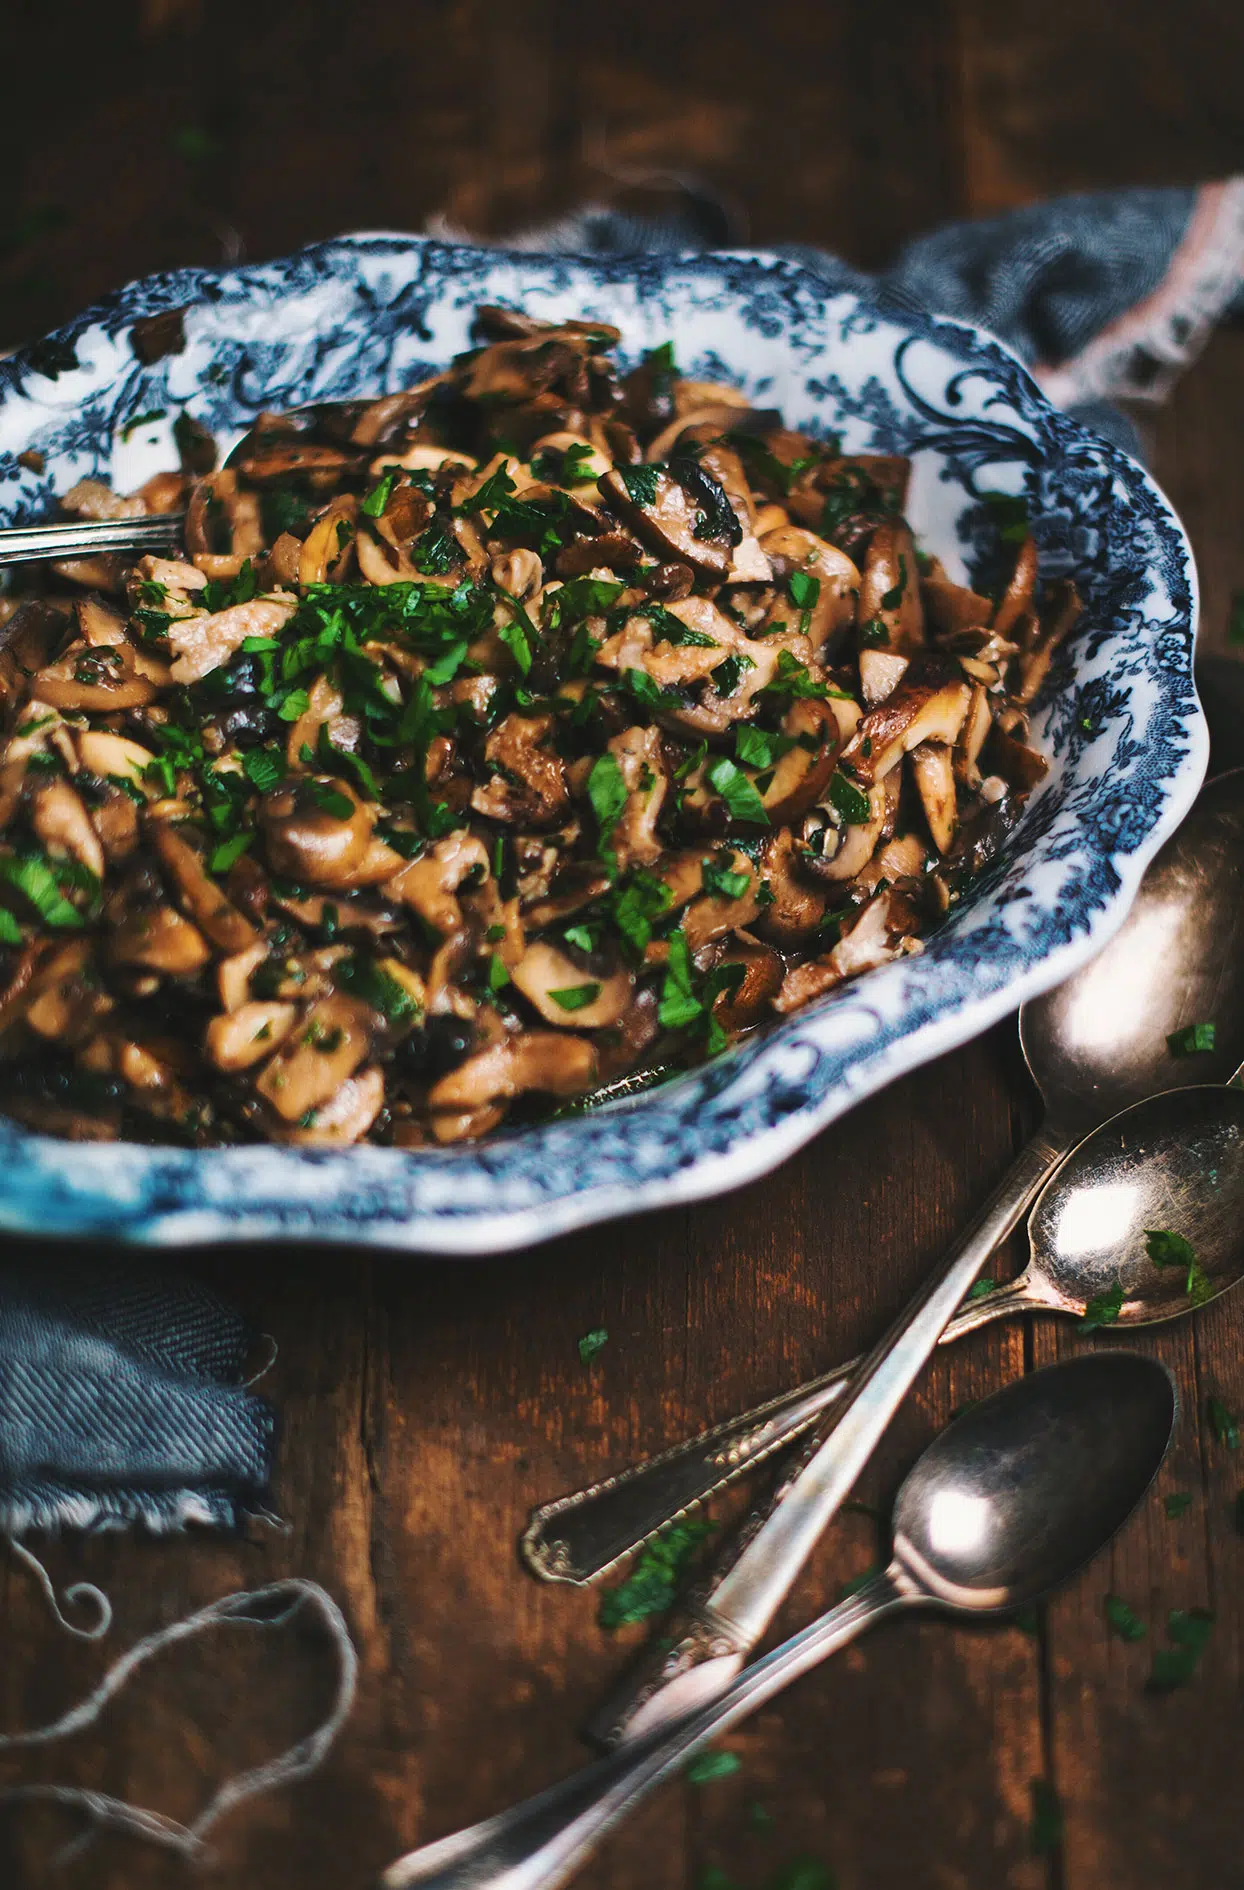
[1141,354]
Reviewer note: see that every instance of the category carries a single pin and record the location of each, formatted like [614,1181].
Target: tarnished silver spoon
[1095,1045]
[1006,1504]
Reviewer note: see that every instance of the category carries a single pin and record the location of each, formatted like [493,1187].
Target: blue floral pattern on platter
[1122,725]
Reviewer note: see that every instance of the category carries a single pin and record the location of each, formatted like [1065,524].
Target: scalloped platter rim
[1121,721]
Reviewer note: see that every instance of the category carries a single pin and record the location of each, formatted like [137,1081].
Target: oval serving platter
[1120,719]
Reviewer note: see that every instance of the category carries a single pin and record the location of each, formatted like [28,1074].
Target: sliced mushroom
[796,908]
[237,1039]
[115,757]
[794,551]
[201,644]
[880,675]
[802,774]
[565,994]
[64,1000]
[197,891]
[638,752]
[933,772]
[1034,661]
[835,849]
[747,1003]
[976,726]
[669,523]
[318,1054]
[952,607]
[429,884]
[1017,597]
[884,930]
[529,782]
[890,587]
[234,974]
[715,914]
[315,845]
[345,1118]
[326,549]
[103,678]
[548,1060]
[930,704]
[158,938]
[64,826]
[1020,766]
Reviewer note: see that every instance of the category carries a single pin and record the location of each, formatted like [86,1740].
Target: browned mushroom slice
[158,938]
[933,773]
[749,563]
[148,1074]
[62,823]
[326,549]
[391,416]
[929,705]
[1034,661]
[567,995]
[429,885]
[528,784]
[880,675]
[344,1119]
[201,644]
[318,833]
[1020,766]
[93,499]
[115,757]
[884,930]
[574,886]
[669,520]
[890,588]
[836,849]
[801,775]
[197,891]
[638,752]
[237,1039]
[103,679]
[1018,594]
[723,909]
[796,909]
[547,1060]
[234,974]
[746,1003]
[324,713]
[64,1001]
[640,644]
[905,857]
[28,638]
[572,459]
[819,583]
[951,607]
[272,461]
[317,1056]
[976,726]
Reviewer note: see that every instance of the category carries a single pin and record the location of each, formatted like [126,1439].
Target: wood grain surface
[426,1406]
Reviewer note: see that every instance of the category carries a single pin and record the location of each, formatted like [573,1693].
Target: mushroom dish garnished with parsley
[490,741]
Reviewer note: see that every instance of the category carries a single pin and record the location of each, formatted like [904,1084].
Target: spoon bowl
[1101,1041]
[1020,1491]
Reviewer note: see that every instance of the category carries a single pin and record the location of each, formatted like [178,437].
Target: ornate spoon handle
[577,1538]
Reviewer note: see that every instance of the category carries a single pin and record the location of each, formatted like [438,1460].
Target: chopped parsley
[650,1587]
[1121,1620]
[850,803]
[1224,1423]
[592,1343]
[1177,1504]
[373,505]
[1045,1830]
[738,793]
[641,483]
[1188,1631]
[719,878]
[1235,620]
[1188,1042]
[1104,1308]
[1172,1250]
[607,792]
[707,1767]
[576,997]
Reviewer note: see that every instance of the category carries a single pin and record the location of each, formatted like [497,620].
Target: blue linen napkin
[120,1400]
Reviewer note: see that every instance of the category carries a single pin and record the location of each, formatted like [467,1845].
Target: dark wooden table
[427,1406]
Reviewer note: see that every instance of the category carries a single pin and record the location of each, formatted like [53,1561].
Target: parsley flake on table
[653,1582]
[592,1343]
[1224,1423]
[1235,619]
[1188,1631]
[1045,1830]
[707,1767]
[1121,1619]
[1166,1249]
[805,1873]
[1177,1504]
[1189,1041]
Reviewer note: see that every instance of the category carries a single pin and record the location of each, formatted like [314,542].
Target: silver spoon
[1006,1504]
[84,538]
[1094,1045]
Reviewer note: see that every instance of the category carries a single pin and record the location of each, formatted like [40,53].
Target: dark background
[427,1406]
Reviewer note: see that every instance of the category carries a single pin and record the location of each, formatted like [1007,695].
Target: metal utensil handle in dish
[579,1538]
[22,544]
[1074,1446]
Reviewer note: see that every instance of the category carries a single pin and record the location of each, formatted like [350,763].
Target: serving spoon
[84,538]
[1094,1045]
[1007,1503]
